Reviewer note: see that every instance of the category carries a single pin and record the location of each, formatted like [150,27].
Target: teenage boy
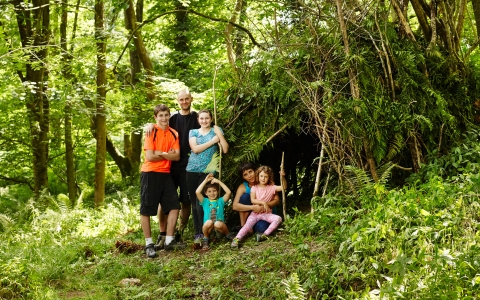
[182,121]
[157,187]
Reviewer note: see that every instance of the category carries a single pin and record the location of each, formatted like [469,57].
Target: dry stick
[282,183]
[215,119]
[276,133]
[326,182]
[440,140]
[319,171]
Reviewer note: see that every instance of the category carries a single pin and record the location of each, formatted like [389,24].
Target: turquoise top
[213,210]
[198,162]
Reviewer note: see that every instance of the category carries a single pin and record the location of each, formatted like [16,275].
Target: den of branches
[342,88]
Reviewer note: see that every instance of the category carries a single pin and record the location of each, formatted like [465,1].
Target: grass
[420,241]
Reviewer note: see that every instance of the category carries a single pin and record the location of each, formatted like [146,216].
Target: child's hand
[209,177]
[214,180]
[282,172]
[266,207]
[217,130]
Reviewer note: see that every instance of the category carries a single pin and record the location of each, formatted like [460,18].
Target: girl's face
[204,119]
[249,175]
[263,178]
[212,193]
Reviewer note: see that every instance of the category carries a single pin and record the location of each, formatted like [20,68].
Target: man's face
[162,118]
[184,100]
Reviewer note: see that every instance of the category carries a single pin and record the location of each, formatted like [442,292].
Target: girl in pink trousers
[262,192]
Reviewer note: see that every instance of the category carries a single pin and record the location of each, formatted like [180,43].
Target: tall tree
[476,12]
[68,117]
[132,140]
[34,27]
[100,114]
[142,51]
[180,44]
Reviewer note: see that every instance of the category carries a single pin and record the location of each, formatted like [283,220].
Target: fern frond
[358,177]
[5,221]
[395,146]
[293,287]
[384,172]
[214,165]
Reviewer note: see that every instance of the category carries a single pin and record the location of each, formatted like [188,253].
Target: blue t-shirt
[198,162]
[213,210]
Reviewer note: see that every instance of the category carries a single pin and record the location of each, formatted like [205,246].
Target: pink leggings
[253,218]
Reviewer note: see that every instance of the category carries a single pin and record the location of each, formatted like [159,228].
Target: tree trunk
[415,152]
[228,34]
[34,28]
[100,117]
[422,19]
[180,45]
[135,63]
[132,145]
[142,51]
[476,12]
[403,20]
[69,155]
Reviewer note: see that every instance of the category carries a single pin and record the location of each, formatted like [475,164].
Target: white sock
[148,241]
[168,239]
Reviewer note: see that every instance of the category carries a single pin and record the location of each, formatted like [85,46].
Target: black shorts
[157,188]
[179,177]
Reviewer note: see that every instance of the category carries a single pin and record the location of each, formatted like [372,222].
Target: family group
[178,149]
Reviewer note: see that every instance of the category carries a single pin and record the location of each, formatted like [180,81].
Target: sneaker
[261,237]
[150,250]
[205,245]
[174,245]
[179,235]
[160,242]
[235,243]
[197,242]
[230,236]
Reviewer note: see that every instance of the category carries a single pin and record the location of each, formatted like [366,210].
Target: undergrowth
[415,242]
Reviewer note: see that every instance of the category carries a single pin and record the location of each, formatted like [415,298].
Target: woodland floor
[253,271]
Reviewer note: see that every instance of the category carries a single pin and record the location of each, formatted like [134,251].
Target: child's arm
[254,200]
[237,206]
[221,138]
[228,193]
[202,147]
[274,202]
[199,190]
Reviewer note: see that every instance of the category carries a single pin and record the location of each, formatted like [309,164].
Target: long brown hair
[268,171]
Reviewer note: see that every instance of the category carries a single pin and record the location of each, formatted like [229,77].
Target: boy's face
[162,118]
[249,175]
[211,193]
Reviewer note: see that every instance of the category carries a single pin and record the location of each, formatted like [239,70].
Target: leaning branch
[16,180]
[252,39]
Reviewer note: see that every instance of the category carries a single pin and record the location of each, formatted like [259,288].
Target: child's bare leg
[221,227]
[207,228]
